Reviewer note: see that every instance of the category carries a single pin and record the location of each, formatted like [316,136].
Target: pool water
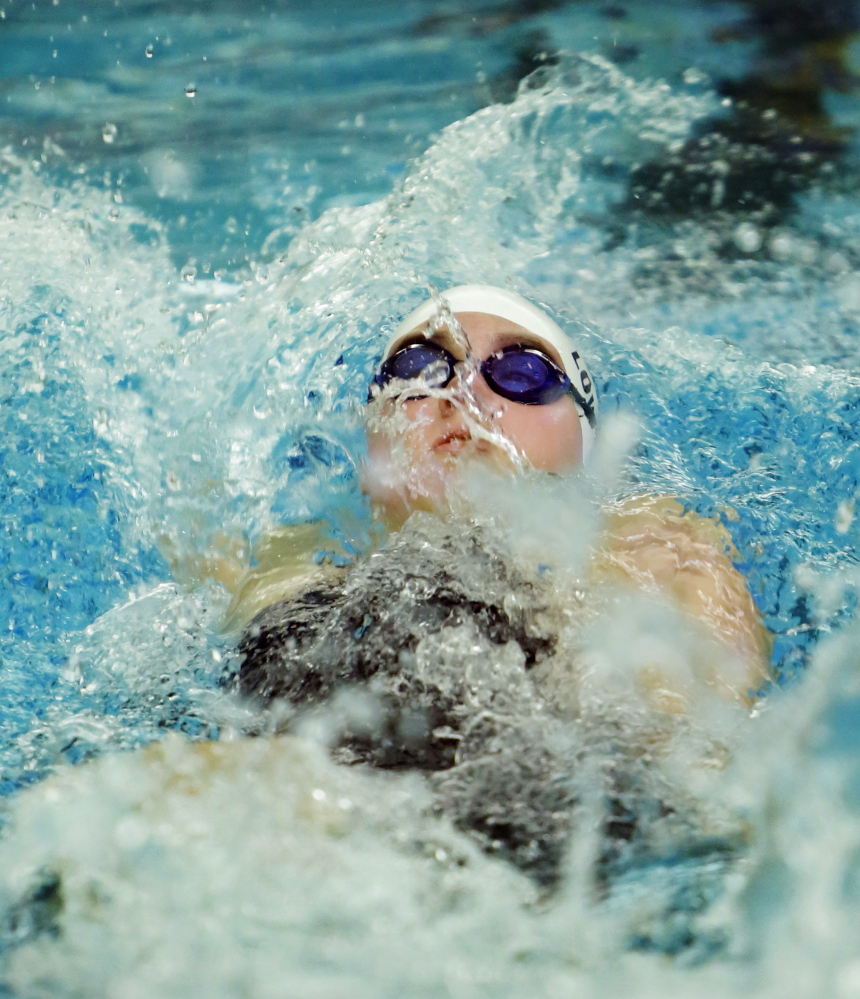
[211,219]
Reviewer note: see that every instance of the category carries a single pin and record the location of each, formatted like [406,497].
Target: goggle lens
[428,361]
[525,375]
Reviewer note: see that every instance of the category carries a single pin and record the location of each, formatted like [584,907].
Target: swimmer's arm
[651,543]
[284,561]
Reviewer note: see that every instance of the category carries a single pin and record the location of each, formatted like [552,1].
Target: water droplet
[844,516]
[109,133]
[781,246]
[191,90]
[149,50]
[188,273]
[694,77]
[836,262]
[747,238]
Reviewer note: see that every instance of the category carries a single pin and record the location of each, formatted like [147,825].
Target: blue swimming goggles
[519,372]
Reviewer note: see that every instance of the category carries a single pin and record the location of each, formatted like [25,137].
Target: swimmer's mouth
[453,442]
[458,440]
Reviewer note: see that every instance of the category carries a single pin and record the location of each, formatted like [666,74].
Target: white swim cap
[513,307]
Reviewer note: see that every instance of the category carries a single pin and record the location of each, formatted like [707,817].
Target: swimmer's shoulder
[659,514]
[288,561]
[654,544]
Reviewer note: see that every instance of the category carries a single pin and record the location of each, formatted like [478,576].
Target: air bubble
[149,50]
[109,133]
[191,90]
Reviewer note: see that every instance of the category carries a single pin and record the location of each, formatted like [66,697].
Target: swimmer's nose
[451,414]
[472,388]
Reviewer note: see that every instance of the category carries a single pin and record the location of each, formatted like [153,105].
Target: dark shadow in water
[773,140]
[776,138]
[803,53]
[532,49]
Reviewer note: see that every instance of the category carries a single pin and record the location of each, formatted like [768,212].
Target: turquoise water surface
[211,216]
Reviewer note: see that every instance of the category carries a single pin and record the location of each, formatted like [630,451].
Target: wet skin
[411,460]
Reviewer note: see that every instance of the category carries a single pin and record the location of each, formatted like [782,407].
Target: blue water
[212,215]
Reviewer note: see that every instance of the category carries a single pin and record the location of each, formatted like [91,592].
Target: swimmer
[444,652]
[484,377]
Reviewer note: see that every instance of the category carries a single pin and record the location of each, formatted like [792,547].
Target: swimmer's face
[416,447]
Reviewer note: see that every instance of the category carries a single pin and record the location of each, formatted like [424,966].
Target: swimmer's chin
[439,485]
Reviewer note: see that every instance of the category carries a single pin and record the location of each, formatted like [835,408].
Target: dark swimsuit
[444,632]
